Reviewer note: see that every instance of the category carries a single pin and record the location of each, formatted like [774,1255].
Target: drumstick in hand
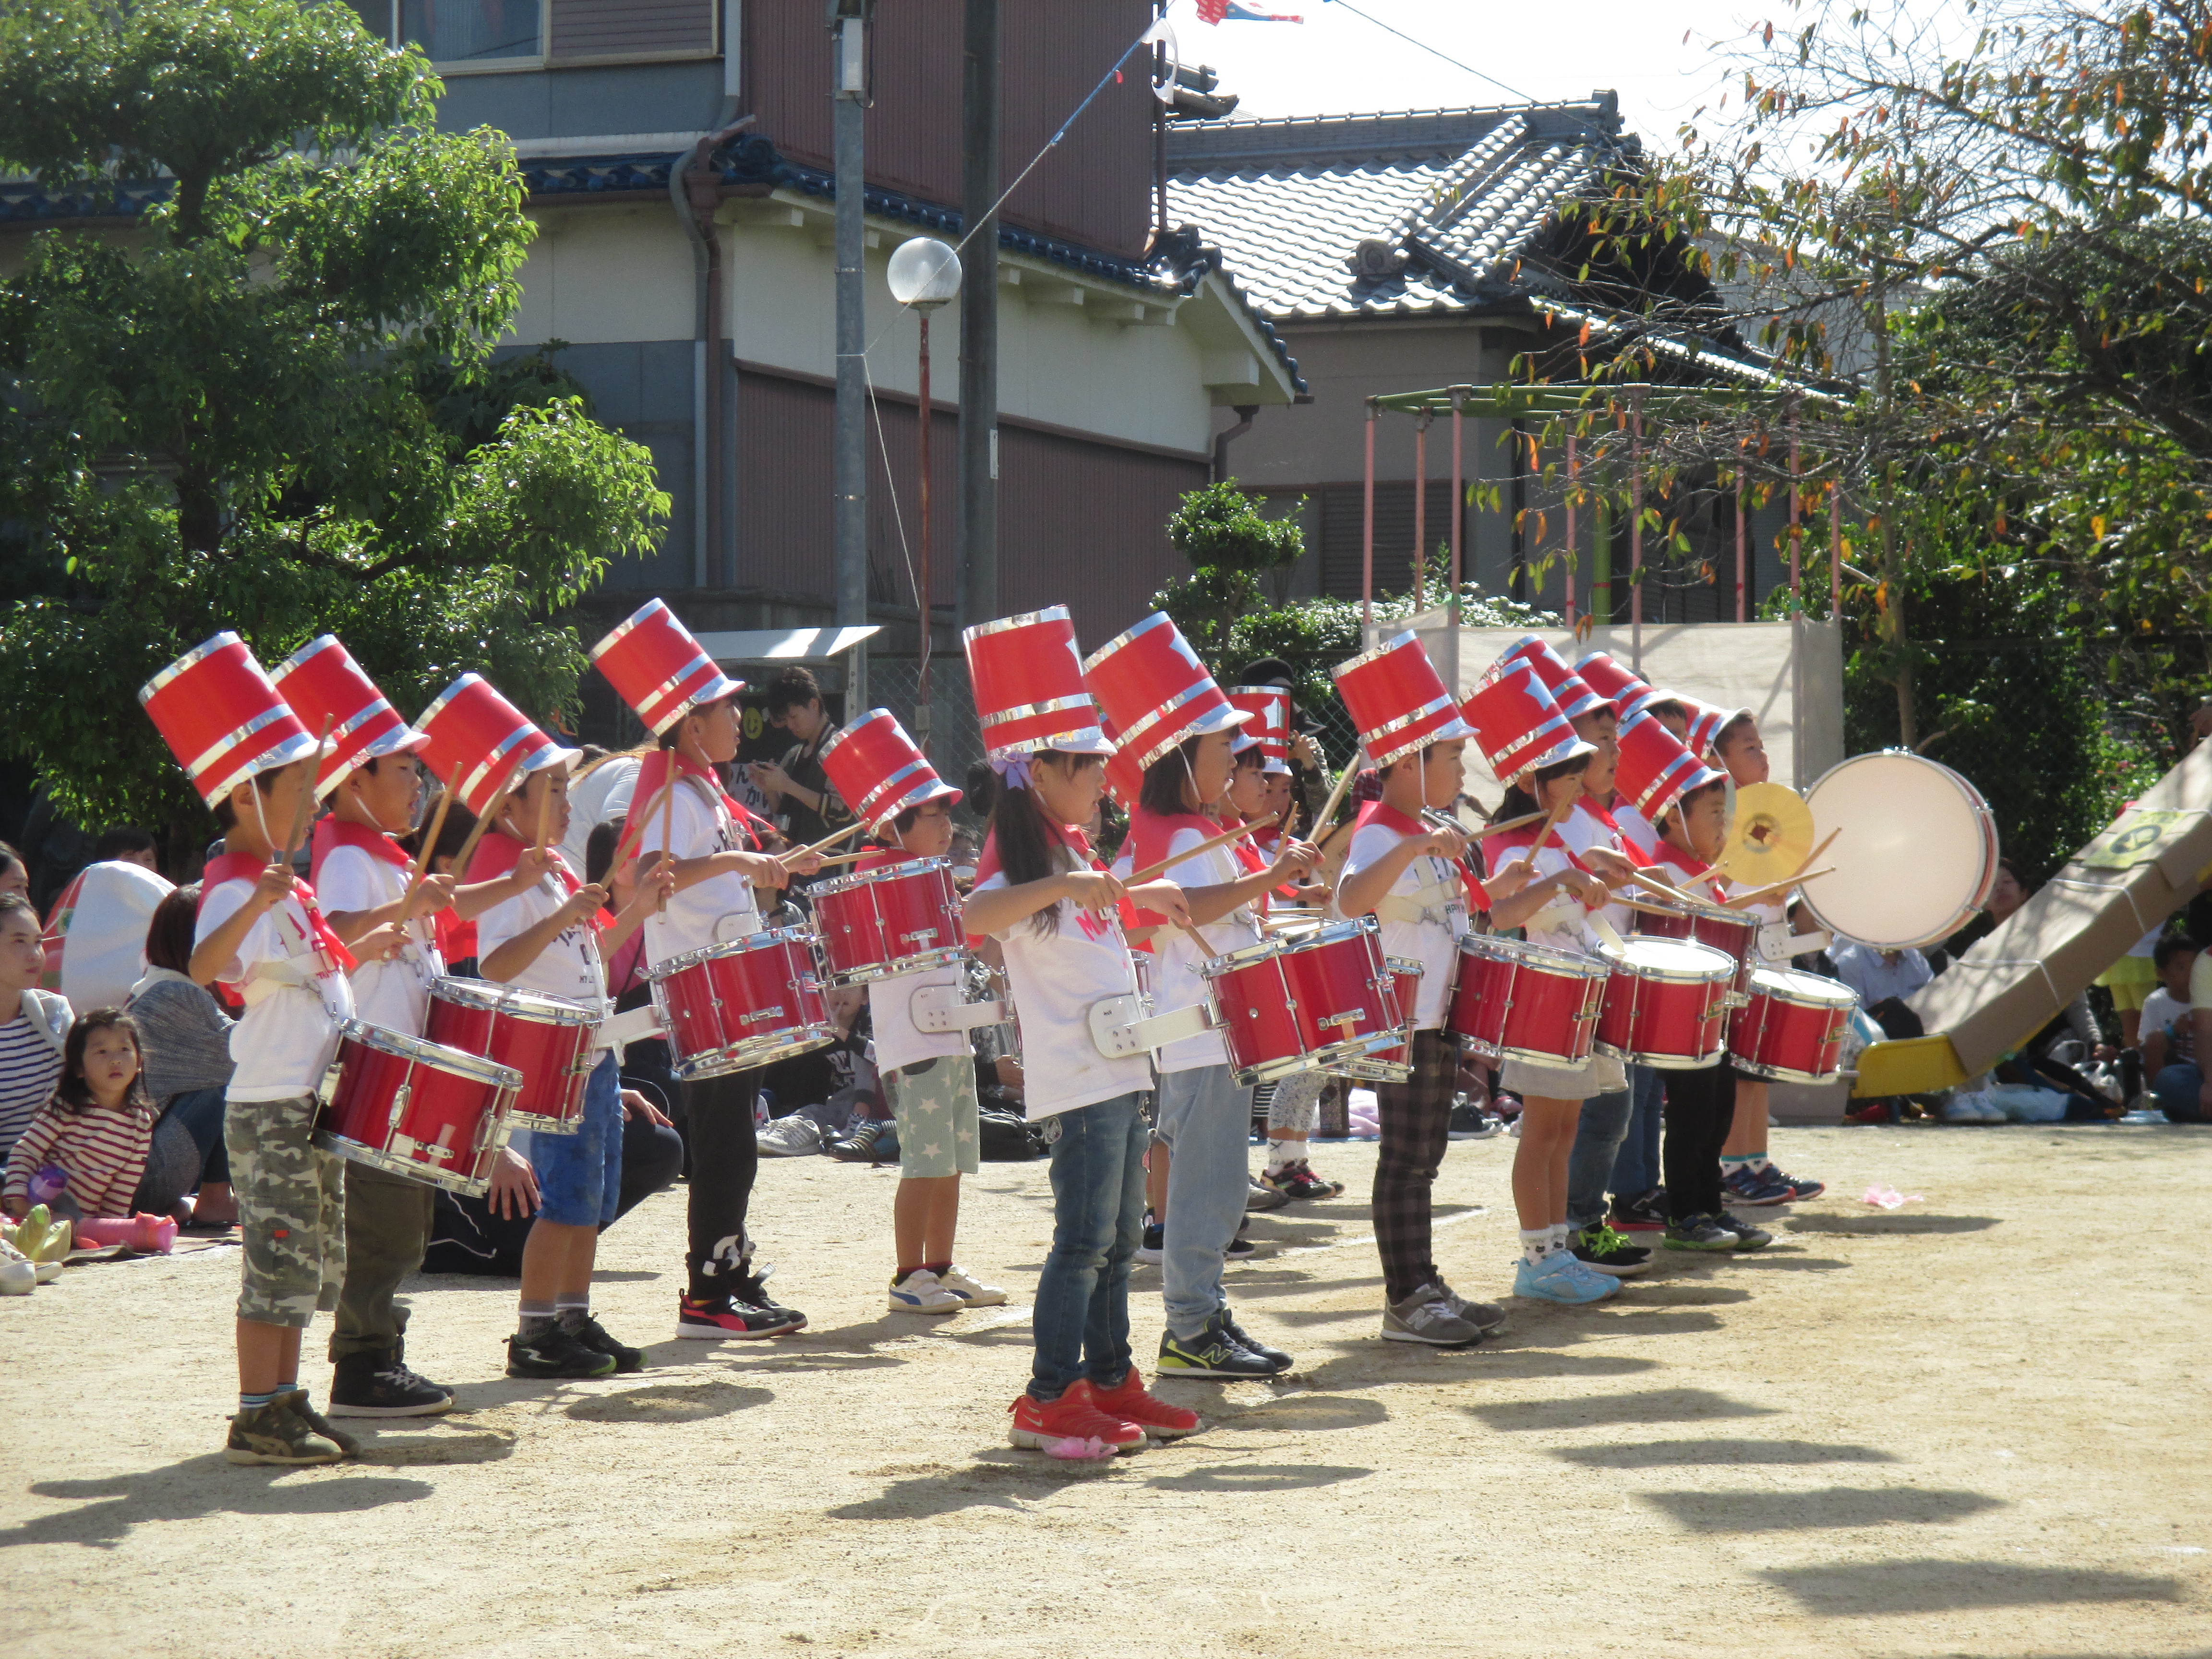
[544,815]
[823,845]
[1335,797]
[430,842]
[667,851]
[1152,871]
[1774,887]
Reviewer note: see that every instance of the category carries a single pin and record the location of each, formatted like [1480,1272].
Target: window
[471,31]
[495,35]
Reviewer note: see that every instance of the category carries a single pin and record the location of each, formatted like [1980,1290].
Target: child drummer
[929,1076]
[260,932]
[373,780]
[543,935]
[1181,729]
[1406,873]
[678,810]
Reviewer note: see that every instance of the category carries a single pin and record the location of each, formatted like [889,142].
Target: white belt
[1432,904]
[1119,1028]
[939,1008]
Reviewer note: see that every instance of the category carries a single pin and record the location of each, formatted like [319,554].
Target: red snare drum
[416,1109]
[1733,932]
[1515,1000]
[742,1003]
[1666,1004]
[1792,1028]
[547,1039]
[1396,1063]
[899,919]
[1303,1000]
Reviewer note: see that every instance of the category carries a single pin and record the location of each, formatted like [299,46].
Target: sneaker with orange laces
[1074,1416]
[1131,1401]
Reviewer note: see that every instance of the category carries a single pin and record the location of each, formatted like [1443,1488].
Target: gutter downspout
[693,193]
[1222,440]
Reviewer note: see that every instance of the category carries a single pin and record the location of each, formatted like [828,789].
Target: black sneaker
[593,1335]
[1646,1212]
[1241,1249]
[380,1385]
[1262,1194]
[1600,1247]
[1700,1232]
[1243,1339]
[725,1316]
[1470,1121]
[553,1352]
[1747,1237]
[1153,1245]
[857,1147]
[1211,1352]
[751,1289]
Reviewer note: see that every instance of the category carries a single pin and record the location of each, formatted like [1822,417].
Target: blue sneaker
[1756,1187]
[1560,1278]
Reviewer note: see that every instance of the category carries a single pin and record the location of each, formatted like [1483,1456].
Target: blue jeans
[2176,1088]
[1205,1120]
[1636,1167]
[580,1173]
[1589,1166]
[1081,1325]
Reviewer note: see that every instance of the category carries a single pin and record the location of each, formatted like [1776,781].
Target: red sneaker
[1074,1416]
[1130,1399]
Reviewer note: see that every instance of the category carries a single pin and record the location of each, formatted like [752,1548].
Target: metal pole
[1420,509]
[1636,528]
[1458,520]
[849,107]
[924,584]
[1742,608]
[1367,531]
[1796,529]
[1574,471]
[1836,549]
[979,318]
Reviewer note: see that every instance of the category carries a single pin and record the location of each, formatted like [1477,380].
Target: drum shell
[1273,1000]
[1396,1063]
[1668,1018]
[1734,933]
[732,1006]
[903,920]
[1257,1012]
[547,1039]
[1788,1037]
[416,1109]
[1515,1000]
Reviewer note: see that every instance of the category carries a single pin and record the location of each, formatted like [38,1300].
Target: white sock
[1535,1245]
[1281,1154]
[1760,1161]
[1558,1235]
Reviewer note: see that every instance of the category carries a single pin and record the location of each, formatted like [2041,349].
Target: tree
[1230,544]
[273,407]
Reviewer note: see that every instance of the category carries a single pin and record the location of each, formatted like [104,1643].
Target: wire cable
[1432,52]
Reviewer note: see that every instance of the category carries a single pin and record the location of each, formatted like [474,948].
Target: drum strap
[1430,903]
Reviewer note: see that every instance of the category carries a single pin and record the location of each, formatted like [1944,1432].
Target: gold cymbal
[1771,836]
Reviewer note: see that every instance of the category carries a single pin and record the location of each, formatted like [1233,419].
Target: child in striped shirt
[96,1128]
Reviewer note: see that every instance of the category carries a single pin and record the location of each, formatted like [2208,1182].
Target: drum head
[1914,853]
[1674,958]
[1807,990]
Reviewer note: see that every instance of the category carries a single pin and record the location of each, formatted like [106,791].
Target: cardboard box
[2149,863]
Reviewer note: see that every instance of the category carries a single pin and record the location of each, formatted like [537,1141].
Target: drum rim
[742,1056]
[430,1174]
[402,1046]
[1663,976]
[1696,908]
[1549,957]
[490,997]
[874,973]
[760,941]
[860,878]
[1842,997]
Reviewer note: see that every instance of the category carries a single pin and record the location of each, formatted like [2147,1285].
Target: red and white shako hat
[1574,695]
[1627,692]
[1517,726]
[470,726]
[1398,701]
[1655,769]
[1706,723]
[322,681]
[1152,685]
[1125,778]
[1270,708]
[658,666]
[223,718]
[1027,672]
[881,770]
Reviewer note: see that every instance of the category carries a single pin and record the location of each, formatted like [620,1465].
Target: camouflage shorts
[290,1209]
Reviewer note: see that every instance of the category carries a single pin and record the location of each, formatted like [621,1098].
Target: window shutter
[632,29]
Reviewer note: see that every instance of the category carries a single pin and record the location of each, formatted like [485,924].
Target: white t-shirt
[706,913]
[2164,1012]
[1433,944]
[1639,831]
[1056,977]
[600,796]
[1176,983]
[1582,829]
[289,1033]
[394,994]
[569,967]
[1563,924]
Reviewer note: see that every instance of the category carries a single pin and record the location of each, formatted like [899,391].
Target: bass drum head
[1914,850]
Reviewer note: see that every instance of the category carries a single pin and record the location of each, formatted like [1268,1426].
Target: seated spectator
[2166,1035]
[127,845]
[1882,980]
[34,1022]
[2181,1088]
[184,1037]
[15,874]
[85,1150]
[96,932]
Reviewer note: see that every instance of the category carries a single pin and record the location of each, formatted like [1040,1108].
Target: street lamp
[924,274]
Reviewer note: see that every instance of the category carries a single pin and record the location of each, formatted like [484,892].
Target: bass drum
[1915,853]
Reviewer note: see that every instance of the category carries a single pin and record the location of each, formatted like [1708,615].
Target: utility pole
[848,22]
[979,316]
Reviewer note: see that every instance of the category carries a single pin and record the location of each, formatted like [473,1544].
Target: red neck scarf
[246,867]
[986,866]
[333,832]
[1381,812]
[657,769]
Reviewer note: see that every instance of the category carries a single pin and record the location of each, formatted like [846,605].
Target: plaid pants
[1416,1119]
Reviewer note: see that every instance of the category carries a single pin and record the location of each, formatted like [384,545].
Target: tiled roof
[1427,212]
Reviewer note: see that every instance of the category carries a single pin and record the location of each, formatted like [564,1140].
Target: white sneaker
[790,1137]
[973,1293]
[919,1292]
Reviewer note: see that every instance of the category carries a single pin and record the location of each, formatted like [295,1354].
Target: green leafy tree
[272,406]
[1231,544]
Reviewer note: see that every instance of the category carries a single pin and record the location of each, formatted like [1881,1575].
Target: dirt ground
[1975,1426]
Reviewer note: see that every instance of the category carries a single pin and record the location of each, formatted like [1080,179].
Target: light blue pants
[1636,1166]
[1598,1136]
[1205,1120]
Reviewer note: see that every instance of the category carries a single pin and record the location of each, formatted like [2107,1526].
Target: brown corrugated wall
[1094,189]
[1080,523]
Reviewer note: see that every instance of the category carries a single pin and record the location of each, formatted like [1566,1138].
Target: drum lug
[400,1096]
